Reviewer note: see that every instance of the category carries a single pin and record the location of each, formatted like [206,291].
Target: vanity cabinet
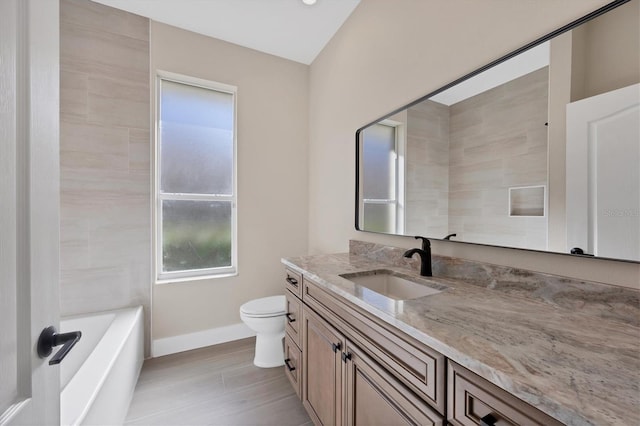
[351,368]
[292,338]
[342,385]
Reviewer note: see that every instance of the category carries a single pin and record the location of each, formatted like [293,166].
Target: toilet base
[269,350]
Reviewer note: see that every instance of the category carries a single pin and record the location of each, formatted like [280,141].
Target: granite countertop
[580,366]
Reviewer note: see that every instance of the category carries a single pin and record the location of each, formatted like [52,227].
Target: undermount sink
[394,285]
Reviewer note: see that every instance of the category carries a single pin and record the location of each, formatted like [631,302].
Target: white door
[603,174]
[29,199]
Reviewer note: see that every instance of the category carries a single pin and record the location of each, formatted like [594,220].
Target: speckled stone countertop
[575,357]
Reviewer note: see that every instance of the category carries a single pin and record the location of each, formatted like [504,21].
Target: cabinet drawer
[293,282]
[294,317]
[473,400]
[418,367]
[293,364]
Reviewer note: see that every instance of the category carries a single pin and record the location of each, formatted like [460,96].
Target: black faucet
[425,256]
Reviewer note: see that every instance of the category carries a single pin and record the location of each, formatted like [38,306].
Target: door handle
[50,338]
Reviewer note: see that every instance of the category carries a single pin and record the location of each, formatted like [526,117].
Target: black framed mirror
[538,150]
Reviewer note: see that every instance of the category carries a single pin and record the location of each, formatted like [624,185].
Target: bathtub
[98,376]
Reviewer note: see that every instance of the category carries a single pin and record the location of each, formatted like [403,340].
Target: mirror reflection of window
[380,178]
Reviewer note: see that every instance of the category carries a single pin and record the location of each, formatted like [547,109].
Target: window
[196,178]
[382,191]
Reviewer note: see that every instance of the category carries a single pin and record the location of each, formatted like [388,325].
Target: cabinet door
[375,398]
[321,369]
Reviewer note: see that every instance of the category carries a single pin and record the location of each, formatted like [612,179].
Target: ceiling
[285,28]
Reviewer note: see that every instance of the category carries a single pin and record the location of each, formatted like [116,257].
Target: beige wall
[389,53]
[606,41]
[272,105]
[105,202]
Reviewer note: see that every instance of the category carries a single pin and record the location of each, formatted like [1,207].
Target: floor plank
[217,385]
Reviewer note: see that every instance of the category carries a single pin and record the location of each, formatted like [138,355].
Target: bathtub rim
[74,390]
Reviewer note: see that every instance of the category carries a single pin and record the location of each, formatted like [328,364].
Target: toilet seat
[266,307]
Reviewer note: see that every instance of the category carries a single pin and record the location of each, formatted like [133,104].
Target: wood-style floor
[217,385]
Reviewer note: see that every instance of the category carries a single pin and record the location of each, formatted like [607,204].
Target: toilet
[266,316]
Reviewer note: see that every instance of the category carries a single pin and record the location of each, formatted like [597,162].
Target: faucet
[425,256]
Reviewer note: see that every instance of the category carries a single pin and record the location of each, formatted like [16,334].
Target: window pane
[379,167]
[379,218]
[195,235]
[196,137]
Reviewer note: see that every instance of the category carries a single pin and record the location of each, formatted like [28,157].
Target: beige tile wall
[105,253]
[493,149]
[427,156]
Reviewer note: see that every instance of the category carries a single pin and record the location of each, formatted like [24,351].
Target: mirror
[538,150]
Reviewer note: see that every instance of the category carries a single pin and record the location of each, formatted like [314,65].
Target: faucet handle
[426,244]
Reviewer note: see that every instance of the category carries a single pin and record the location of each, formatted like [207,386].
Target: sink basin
[394,285]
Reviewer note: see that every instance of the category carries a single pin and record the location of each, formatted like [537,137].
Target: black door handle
[289,317]
[49,338]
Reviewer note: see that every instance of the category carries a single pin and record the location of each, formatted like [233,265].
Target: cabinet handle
[336,347]
[289,318]
[289,366]
[292,281]
[488,420]
[346,356]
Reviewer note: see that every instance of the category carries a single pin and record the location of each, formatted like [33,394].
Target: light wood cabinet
[342,385]
[417,366]
[293,337]
[322,370]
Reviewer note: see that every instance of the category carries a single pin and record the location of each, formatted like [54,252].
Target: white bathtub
[98,376]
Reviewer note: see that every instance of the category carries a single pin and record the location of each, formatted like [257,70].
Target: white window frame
[193,274]
[399,177]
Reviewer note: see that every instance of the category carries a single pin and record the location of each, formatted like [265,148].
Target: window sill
[196,278]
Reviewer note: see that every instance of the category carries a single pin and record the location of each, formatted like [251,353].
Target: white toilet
[266,317]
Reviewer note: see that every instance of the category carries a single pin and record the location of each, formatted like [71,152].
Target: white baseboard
[200,339]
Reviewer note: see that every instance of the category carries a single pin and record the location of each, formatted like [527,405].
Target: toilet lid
[265,307]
